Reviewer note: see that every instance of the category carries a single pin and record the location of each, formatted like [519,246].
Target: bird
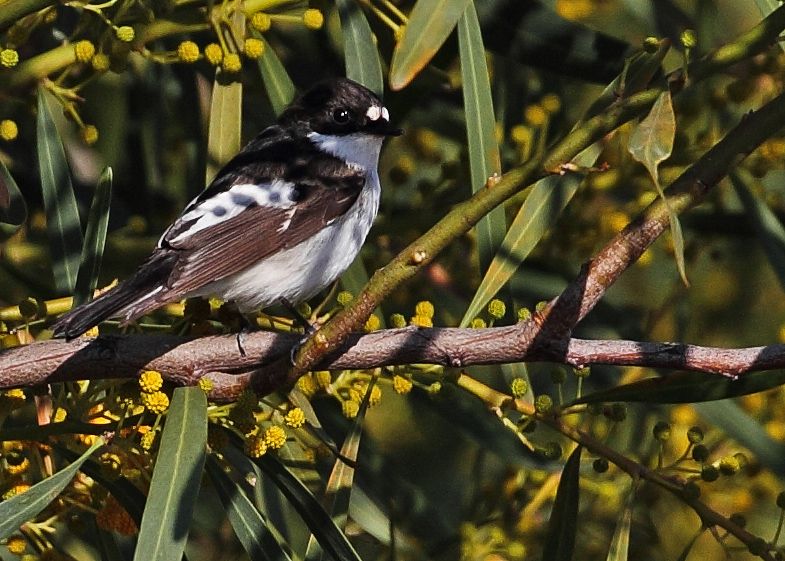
[279,222]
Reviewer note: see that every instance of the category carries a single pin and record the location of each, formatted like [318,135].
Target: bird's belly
[302,271]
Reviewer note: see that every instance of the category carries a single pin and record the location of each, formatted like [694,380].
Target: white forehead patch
[385,114]
[374,112]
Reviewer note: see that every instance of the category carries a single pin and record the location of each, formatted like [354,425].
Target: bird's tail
[137,293]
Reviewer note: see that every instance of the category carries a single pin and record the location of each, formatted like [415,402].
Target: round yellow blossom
[275,437]
[524,314]
[255,446]
[261,21]
[18,465]
[100,62]
[17,489]
[519,387]
[16,545]
[307,385]
[397,321]
[521,134]
[295,418]
[9,58]
[376,396]
[60,415]
[373,323]
[89,134]
[84,50]
[188,51]
[114,517]
[424,308]
[17,396]
[253,48]
[156,402]
[323,378]
[422,321]
[478,323]
[147,441]
[232,63]
[344,298]
[551,103]
[206,385]
[401,384]
[150,381]
[350,409]
[214,54]
[125,33]
[689,38]
[535,115]
[574,9]
[313,19]
[496,309]
[8,130]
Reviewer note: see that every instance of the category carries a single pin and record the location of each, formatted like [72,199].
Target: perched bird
[279,223]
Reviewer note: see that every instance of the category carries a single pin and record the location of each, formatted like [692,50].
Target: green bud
[543,404]
[689,38]
[582,372]
[496,309]
[695,435]
[729,465]
[524,314]
[651,44]
[519,387]
[600,465]
[662,431]
[709,473]
[691,490]
[700,453]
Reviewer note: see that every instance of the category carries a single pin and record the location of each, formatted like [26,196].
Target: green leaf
[224,134]
[430,23]
[13,209]
[248,523]
[23,507]
[95,239]
[62,214]
[651,143]
[688,387]
[563,524]
[176,478]
[330,537]
[766,224]
[361,56]
[484,158]
[280,88]
[539,212]
[620,543]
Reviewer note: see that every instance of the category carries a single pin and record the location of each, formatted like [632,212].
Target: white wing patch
[233,201]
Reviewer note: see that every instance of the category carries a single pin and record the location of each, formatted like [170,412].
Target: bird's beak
[378,122]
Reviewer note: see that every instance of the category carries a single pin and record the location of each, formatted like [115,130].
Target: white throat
[358,149]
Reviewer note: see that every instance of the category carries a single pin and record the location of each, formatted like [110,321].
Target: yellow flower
[307,385]
[496,309]
[125,33]
[401,384]
[350,409]
[156,402]
[574,9]
[150,381]
[253,48]
[206,385]
[16,545]
[313,19]
[376,396]
[478,323]
[214,54]
[373,323]
[84,50]
[422,321]
[9,58]
[344,298]
[60,415]
[519,387]
[397,321]
[323,378]
[17,464]
[100,62]
[275,437]
[232,63]
[147,441]
[255,446]
[89,134]
[295,418]
[8,130]
[551,103]
[424,308]
[535,115]
[188,51]
[261,21]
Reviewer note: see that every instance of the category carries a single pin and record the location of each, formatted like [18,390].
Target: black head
[339,107]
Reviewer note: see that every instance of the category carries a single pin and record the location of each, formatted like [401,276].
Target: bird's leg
[245,327]
[308,327]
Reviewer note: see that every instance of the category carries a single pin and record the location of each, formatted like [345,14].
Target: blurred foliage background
[150,89]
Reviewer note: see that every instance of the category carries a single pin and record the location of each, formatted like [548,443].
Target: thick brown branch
[185,361]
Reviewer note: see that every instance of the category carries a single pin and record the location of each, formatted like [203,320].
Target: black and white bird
[279,223]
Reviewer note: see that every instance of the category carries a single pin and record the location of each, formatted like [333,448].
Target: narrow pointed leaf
[484,158]
[95,239]
[248,523]
[767,226]
[23,507]
[280,88]
[651,143]
[688,387]
[539,212]
[430,23]
[361,56]
[62,214]
[224,134]
[620,543]
[13,209]
[330,537]
[176,478]
[563,524]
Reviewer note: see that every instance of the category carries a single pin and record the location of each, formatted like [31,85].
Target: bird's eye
[342,116]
